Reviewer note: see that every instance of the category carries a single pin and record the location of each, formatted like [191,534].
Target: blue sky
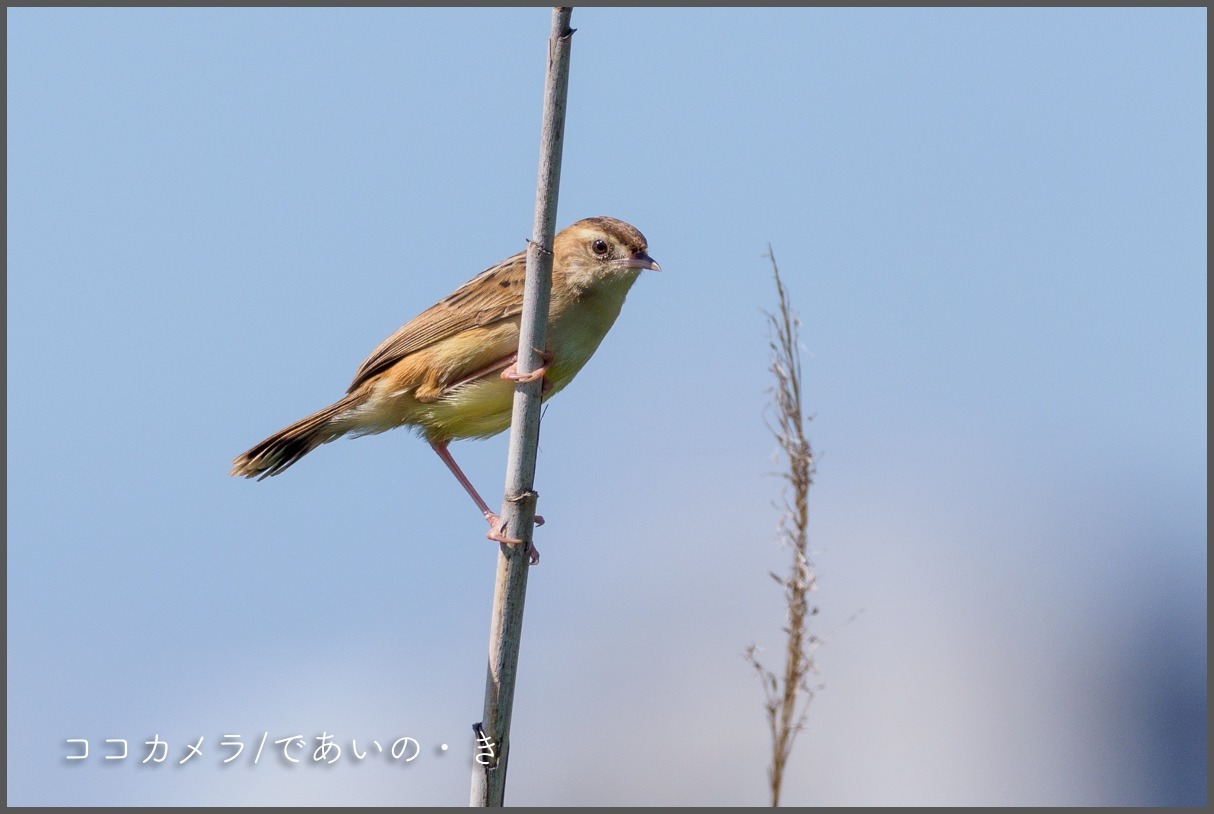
[992,224]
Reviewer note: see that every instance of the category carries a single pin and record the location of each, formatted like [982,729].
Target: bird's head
[598,249]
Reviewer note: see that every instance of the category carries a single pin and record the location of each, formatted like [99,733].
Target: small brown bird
[450,372]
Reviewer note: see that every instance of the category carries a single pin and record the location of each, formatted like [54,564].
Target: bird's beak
[640,260]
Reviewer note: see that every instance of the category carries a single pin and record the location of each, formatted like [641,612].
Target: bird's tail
[287,446]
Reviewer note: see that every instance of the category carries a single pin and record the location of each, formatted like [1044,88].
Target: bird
[450,372]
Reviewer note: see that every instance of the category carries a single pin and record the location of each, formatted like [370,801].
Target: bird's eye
[599,246]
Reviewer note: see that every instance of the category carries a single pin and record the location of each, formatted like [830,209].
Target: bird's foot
[497,533]
[512,373]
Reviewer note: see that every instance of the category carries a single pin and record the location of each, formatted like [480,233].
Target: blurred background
[992,223]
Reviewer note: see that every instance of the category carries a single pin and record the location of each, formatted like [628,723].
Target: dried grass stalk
[788,694]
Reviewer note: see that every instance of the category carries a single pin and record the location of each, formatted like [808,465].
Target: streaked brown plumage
[449,372]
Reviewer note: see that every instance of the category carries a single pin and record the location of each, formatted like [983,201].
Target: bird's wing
[494,295]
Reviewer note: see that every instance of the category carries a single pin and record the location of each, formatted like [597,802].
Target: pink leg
[508,365]
[495,533]
[500,364]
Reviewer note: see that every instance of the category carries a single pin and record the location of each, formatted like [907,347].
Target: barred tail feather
[287,446]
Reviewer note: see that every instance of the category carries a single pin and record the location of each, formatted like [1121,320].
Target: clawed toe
[512,373]
[497,534]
